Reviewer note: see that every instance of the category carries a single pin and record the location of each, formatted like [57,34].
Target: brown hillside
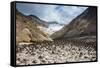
[27,30]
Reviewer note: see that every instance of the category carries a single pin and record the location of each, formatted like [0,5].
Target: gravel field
[57,51]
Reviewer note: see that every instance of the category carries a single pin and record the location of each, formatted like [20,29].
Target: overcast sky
[61,14]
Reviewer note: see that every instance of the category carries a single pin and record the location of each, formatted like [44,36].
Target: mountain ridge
[85,23]
[27,30]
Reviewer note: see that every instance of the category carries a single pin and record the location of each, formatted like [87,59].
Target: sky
[59,13]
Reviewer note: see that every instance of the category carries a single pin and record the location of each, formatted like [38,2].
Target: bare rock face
[27,29]
[84,24]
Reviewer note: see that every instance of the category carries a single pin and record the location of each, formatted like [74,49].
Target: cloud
[59,13]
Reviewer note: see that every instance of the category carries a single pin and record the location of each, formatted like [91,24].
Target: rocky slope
[27,29]
[84,24]
[38,21]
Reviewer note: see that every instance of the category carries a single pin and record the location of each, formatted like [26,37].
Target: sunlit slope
[27,30]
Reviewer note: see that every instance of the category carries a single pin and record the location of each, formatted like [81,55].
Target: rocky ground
[57,51]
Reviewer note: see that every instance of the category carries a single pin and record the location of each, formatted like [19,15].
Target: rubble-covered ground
[57,51]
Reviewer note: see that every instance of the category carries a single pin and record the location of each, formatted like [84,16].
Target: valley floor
[57,51]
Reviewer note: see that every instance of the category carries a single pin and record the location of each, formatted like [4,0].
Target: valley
[57,51]
[41,42]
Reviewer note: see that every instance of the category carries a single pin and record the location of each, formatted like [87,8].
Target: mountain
[37,20]
[84,24]
[27,29]
[54,22]
[47,27]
